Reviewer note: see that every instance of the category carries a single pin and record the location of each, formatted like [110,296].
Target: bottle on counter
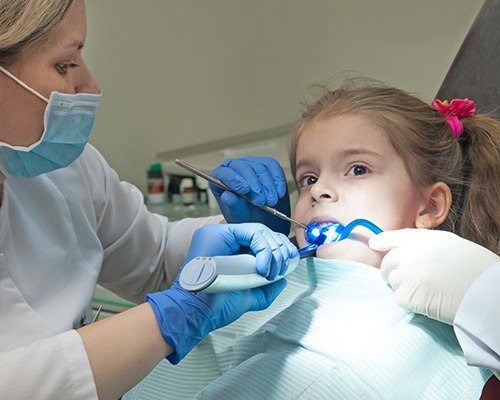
[187,191]
[156,185]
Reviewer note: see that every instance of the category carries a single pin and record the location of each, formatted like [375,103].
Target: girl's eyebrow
[302,162]
[355,151]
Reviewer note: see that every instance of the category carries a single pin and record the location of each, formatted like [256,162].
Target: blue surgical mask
[68,121]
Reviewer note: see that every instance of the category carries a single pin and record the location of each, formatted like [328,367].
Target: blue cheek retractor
[323,233]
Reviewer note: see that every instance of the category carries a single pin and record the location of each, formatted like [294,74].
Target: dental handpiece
[225,273]
[218,183]
[239,272]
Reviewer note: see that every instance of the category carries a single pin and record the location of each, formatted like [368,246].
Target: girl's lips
[323,220]
[320,233]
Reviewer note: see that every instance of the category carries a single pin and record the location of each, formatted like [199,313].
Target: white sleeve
[52,368]
[142,251]
[477,323]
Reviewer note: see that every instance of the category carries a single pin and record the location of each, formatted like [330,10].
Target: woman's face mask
[68,121]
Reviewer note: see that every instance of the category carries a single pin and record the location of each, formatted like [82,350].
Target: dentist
[67,223]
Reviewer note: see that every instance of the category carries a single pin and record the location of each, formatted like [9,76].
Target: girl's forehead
[341,130]
[340,121]
[340,137]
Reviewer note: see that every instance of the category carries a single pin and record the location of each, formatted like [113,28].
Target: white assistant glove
[431,270]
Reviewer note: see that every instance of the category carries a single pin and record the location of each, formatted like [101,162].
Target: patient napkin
[334,333]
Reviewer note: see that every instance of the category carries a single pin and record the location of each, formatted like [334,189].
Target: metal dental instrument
[223,186]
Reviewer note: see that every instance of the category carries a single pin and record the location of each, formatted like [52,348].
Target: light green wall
[179,72]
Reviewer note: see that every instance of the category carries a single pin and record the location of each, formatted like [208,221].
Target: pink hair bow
[454,111]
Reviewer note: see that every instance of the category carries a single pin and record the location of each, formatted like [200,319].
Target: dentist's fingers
[396,276]
[262,187]
[389,265]
[268,255]
[390,262]
[236,209]
[277,174]
[274,260]
[288,251]
[292,249]
[231,179]
[279,260]
[273,170]
[390,239]
[402,298]
[266,181]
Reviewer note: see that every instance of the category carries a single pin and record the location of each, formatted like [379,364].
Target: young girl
[360,151]
[368,151]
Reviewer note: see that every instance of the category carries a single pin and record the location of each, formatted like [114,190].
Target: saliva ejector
[239,272]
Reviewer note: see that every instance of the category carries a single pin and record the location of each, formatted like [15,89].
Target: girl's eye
[358,170]
[307,180]
[63,68]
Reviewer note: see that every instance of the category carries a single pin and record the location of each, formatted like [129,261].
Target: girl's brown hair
[469,165]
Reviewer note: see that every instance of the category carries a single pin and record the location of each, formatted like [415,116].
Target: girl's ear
[435,207]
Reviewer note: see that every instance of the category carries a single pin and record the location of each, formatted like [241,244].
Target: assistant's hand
[261,179]
[431,270]
[185,318]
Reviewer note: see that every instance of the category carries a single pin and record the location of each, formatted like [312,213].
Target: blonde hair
[23,22]
[469,165]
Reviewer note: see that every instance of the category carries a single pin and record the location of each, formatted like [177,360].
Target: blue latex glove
[185,318]
[261,179]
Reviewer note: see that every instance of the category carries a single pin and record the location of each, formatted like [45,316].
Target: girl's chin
[350,250]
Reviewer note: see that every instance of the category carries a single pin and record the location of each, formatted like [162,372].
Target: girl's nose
[321,192]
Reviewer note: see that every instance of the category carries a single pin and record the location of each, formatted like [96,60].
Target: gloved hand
[185,318]
[431,270]
[262,180]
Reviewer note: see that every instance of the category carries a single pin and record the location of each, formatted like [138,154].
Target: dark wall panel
[475,72]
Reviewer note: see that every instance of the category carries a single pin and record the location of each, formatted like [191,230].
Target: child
[379,153]
[335,332]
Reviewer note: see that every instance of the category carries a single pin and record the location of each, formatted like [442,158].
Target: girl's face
[346,168]
[52,64]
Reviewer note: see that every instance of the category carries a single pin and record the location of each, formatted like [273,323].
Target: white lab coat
[60,234]
[477,323]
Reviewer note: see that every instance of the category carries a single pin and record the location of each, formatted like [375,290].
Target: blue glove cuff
[182,323]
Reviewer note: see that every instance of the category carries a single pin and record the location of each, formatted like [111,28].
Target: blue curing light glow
[329,232]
